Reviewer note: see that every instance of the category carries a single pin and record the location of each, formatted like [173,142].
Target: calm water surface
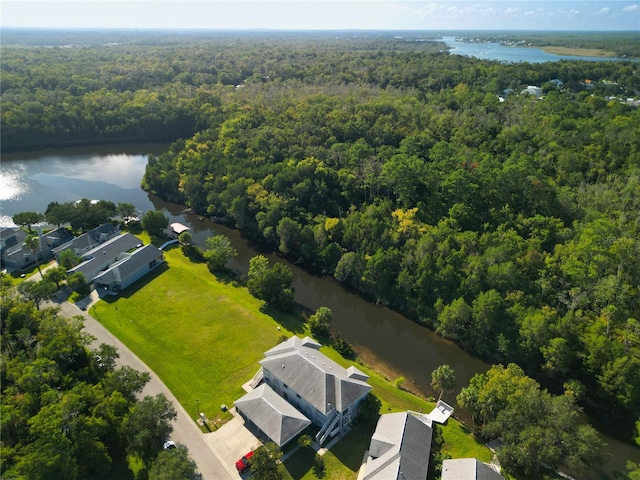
[504,53]
[394,344]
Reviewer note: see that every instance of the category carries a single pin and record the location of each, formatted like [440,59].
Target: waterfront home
[85,242]
[468,469]
[18,257]
[104,255]
[128,268]
[400,447]
[323,392]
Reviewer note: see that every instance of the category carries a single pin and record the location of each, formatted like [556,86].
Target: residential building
[400,447]
[325,393]
[532,90]
[468,469]
[269,413]
[18,256]
[104,255]
[85,242]
[128,268]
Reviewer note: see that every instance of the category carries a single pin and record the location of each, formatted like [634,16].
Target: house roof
[105,253]
[272,414]
[400,447]
[129,264]
[178,228]
[89,239]
[441,413]
[468,469]
[315,377]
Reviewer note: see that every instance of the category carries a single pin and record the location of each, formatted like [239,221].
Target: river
[391,343]
[507,53]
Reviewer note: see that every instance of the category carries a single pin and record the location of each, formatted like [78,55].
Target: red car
[243,464]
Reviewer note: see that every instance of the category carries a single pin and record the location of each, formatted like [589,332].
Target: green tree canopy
[271,284]
[27,219]
[219,251]
[154,222]
[443,379]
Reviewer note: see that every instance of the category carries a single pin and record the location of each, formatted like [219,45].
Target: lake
[395,345]
[505,53]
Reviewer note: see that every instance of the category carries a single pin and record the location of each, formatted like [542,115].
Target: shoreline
[577,52]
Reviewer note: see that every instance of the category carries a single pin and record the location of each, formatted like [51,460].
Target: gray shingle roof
[105,254]
[129,264]
[315,377]
[468,469]
[272,414]
[400,447]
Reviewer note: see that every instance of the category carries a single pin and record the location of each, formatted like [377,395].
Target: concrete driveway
[232,441]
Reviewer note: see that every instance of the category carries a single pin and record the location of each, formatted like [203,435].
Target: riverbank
[202,335]
[578,52]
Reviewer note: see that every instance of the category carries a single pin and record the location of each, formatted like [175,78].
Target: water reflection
[28,182]
[397,346]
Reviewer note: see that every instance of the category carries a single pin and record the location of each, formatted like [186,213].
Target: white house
[325,393]
[468,469]
[400,447]
[532,90]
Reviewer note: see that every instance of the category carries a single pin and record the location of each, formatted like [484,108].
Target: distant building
[532,90]
[557,82]
[400,447]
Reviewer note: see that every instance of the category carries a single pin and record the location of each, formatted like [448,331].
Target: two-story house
[324,393]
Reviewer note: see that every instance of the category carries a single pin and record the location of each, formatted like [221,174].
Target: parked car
[243,464]
[168,445]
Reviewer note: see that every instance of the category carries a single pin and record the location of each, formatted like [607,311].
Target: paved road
[185,430]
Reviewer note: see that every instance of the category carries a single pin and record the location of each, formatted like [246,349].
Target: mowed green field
[204,337]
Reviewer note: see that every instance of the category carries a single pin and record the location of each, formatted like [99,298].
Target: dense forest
[67,411]
[505,222]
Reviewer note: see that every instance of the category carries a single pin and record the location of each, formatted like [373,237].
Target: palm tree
[33,243]
[443,379]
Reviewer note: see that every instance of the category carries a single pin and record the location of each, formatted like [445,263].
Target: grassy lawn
[204,337]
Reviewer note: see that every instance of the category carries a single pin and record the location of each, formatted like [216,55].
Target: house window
[284,394]
[298,395]
[285,385]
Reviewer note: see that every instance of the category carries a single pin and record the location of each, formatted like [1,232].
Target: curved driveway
[185,430]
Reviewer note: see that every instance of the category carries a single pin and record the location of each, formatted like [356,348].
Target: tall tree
[219,252]
[27,219]
[264,463]
[443,379]
[32,242]
[154,222]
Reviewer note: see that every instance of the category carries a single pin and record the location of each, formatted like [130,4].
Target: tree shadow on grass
[299,464]
[350,449]
[291,321]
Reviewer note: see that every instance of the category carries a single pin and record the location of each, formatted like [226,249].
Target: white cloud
[574,13]
[531,13]
[631,8]
[602,12]
[511,10]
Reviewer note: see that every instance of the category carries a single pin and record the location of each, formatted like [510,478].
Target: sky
[326,14]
